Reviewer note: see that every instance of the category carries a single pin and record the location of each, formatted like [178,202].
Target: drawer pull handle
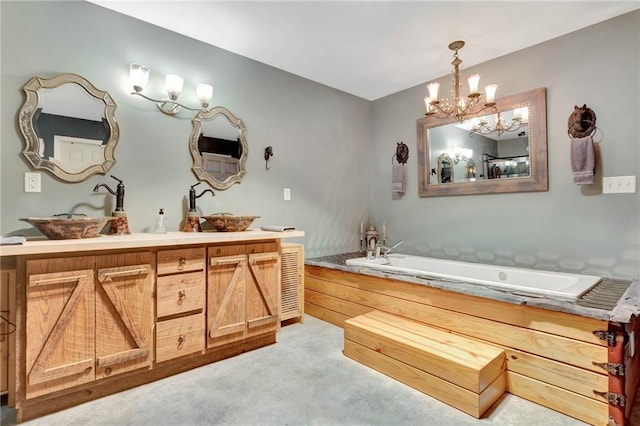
[181,296]
[181,341]
[181,262]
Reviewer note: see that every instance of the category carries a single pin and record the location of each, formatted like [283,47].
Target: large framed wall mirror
[69,127]
[218,147]
[503,151]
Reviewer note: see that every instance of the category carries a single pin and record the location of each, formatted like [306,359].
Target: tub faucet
[384,250]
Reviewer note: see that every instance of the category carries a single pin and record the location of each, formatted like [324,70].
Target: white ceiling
[370,49]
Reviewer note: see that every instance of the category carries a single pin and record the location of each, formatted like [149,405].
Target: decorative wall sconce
[268,153]
[139,76]
[459,107]
[499,126]
[461,154]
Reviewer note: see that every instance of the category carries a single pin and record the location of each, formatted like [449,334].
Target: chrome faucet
[384,250]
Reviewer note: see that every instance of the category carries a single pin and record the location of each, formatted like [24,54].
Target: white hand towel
[583,160]
[277,228]
[398,181]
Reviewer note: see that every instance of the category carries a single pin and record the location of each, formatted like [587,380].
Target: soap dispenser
[161,223]
[192,222]
[120,224]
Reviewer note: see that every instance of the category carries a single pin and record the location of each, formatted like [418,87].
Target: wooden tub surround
[97,316]
[586,367]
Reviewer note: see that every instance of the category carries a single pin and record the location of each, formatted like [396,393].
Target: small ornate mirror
[218,147]
[69,127]
[505,151]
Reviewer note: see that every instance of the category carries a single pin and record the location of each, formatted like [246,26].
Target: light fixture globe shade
[174,84]
[473,81]
[433,90]
[490,93]
[138,76]
[205,93]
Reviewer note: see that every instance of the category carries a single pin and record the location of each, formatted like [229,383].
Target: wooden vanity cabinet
[180,303]
[243,292]
[87,318]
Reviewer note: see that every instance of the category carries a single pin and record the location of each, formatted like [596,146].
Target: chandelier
[498,126]
[459,107]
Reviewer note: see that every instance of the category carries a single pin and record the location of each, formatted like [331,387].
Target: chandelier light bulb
[138,76]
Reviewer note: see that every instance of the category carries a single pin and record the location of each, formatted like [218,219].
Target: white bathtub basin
[556,285]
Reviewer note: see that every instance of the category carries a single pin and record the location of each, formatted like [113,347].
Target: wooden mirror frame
[537,180]
[32,143]
[197,168]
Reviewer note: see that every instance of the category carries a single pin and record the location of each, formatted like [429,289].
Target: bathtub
[528,282]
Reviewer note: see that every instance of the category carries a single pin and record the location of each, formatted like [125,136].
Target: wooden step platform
[465,373]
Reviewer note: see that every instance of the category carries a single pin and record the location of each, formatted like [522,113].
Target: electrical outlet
[32,182]
[287,194]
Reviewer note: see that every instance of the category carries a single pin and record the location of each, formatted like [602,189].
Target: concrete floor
[304,379]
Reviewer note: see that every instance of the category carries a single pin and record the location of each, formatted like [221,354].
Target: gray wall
[569,228]
[320,136]
[332,149]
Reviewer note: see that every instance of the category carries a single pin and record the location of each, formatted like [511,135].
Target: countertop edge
[140,240]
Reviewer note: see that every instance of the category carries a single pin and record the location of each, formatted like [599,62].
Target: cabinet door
[226,299]
[124,313]
[263,293]
[59,336]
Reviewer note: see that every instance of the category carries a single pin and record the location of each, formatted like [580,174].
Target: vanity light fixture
[139,76]
[461,154]
[498,126]
[459,107]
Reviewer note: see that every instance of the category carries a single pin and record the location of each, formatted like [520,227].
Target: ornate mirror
[69,127]
[218,147]
[504,151]
[445,169]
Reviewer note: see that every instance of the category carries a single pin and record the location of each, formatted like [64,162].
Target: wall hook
[268,152]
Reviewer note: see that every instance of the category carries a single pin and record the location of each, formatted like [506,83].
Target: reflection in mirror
[445,169]
[69,127]
[470,170]
[218,147]
[510,145]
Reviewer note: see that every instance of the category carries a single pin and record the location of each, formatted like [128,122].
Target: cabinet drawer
[180,293]
[181,260]
[238,249]
[179,336]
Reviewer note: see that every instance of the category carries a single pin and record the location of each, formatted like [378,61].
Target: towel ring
[402,153]
[582,122]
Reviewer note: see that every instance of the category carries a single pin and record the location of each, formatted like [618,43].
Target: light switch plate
[287,194]
[619,185]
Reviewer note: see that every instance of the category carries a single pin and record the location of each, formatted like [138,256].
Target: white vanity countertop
[140,240]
